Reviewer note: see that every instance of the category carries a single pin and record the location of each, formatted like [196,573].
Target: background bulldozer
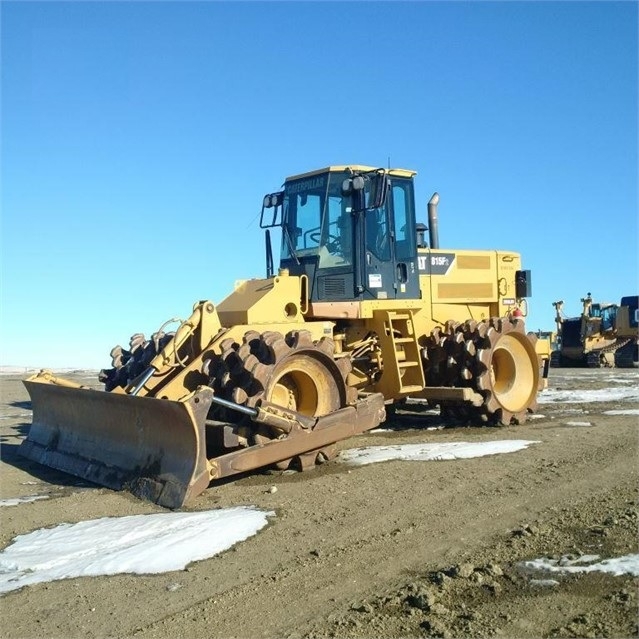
[627,324]
[604,335]
[361,314]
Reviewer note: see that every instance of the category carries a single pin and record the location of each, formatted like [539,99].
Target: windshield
[317,220]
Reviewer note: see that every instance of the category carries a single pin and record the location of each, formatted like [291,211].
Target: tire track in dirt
[361,557]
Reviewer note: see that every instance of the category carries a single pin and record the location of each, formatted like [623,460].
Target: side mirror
[380,185]
[377,192]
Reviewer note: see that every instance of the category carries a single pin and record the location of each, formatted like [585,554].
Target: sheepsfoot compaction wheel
[289,371]
[496,358]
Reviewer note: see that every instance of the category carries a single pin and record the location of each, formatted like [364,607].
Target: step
[403,340]
[412,388]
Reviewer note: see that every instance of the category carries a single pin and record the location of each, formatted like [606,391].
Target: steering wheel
[333,243]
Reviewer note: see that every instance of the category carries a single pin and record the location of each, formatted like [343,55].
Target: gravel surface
[393,549]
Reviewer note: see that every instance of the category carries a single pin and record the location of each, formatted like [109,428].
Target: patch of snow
[578,424]
[628,411]
[21,500]
[392,430]
[626,565]
[623,380]
[430,452]
[142,544]
[588,396]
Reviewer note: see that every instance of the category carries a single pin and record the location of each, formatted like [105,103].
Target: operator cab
[350,230]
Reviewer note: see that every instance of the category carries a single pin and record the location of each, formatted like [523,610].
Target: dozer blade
[155,448]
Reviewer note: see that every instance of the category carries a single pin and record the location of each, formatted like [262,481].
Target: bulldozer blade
[154,448]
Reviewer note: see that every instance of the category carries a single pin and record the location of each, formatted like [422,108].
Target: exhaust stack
[433,230]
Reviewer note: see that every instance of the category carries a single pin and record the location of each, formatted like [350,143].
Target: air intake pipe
[433,230]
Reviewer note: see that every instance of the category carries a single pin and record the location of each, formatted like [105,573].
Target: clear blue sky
[138,140]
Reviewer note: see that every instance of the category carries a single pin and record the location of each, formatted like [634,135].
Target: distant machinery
[604,335]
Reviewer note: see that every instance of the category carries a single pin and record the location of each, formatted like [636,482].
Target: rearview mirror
[378,190]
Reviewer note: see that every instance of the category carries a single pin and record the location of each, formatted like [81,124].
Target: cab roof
[356,168]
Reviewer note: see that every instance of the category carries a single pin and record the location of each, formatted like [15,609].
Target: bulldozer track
[627,356]
[594,359]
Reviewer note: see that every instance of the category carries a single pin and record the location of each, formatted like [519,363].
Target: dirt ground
[394,549]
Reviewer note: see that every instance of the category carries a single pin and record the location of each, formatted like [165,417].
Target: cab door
[390,246]
[401,205]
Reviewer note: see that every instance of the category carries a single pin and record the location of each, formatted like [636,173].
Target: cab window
[401,201]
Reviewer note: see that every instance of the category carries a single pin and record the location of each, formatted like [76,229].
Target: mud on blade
[155,448]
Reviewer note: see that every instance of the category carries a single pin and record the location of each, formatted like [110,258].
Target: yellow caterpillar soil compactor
[361,314]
